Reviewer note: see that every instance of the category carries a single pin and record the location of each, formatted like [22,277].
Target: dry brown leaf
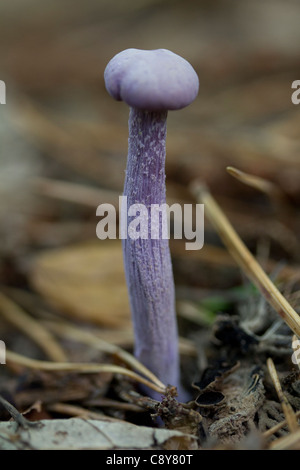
[85,281]
[80,434]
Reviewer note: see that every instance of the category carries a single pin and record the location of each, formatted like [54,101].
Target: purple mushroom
[151,82]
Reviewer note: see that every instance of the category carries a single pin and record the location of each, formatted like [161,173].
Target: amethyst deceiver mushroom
[151,82]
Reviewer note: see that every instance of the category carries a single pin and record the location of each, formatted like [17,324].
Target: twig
[245,259]
[15,414]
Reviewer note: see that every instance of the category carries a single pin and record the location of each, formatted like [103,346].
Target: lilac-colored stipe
[151,82]
[148,266]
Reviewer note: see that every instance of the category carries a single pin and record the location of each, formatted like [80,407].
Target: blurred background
[63,140]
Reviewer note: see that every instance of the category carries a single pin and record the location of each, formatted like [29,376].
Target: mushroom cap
[153,80]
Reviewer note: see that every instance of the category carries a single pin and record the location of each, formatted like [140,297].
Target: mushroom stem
[151,83]
[146,157]
[148,266]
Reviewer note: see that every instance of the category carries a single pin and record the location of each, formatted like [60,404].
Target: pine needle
[245,259]
[288,411]
[12,357]
[15,315]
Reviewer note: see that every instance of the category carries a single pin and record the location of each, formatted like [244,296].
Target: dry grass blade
[14,314]
[286,407]
[290,442]
[277,198]
[90,339]
[278,426]
[12,357]
[75,410]
[261,184]
[245,259]
[75,193]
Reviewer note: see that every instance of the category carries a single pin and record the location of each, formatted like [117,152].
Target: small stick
[246,260]
[15,414]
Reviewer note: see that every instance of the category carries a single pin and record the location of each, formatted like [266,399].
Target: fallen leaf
[85,281]
[80,434]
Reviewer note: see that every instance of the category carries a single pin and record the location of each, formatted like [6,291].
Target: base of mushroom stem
[181,394]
